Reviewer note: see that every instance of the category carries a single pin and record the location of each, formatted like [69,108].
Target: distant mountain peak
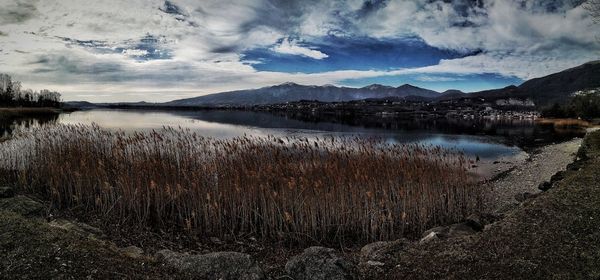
[376,87]
[407,86]
[288,84]
[290,92]
[453,91]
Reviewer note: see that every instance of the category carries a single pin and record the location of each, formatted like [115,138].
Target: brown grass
[565,122]
[293,189]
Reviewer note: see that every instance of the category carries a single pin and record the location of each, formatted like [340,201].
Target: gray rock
[81,228]
[22,205]
[452,231]
[375,263]
[461,229]
[545,186]
[382,250]
[520,197]
[430,237]
[317,263]
[133,252]
[218,265]
[6,192]
[441,232]
[557,177]
[478,221]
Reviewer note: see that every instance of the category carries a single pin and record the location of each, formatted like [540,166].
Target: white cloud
[290,46]
[426,78]
[135,52]
[204,45]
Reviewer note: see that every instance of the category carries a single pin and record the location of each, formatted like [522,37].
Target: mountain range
[289,92]
[554,88]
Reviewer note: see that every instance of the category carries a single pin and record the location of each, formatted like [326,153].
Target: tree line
[585,105]
[13,95]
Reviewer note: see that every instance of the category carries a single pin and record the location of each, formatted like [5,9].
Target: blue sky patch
[357,53]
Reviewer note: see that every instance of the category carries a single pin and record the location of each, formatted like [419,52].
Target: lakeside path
[552,236]
[527,174]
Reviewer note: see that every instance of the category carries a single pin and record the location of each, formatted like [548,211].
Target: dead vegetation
[294,189]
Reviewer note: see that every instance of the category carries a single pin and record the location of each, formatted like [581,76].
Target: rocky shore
[524,175]
[525,233]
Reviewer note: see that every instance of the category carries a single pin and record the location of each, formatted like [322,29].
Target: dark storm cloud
[370,6]
[17,12]
[171,8]
[280,15]
[65,65]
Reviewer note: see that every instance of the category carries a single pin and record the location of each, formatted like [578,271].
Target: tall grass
[324,189]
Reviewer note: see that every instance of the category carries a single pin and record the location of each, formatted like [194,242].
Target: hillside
[544,91]
[559,86]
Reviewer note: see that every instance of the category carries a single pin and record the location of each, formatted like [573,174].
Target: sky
[156,50]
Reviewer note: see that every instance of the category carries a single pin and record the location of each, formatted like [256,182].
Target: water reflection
[486,139]
[8,125]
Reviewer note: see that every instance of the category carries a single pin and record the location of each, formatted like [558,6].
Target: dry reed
[293,189]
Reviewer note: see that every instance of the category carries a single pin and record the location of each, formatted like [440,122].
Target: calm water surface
[486,139]
[226,124]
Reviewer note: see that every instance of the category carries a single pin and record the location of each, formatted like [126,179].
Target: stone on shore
[319,263]
[80,228]
[218,265]
[6,192]
[22,205]
[382,250]
[133,252]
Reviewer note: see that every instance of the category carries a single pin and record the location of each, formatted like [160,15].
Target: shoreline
[524,176]
[145,246]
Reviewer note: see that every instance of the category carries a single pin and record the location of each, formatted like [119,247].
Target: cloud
[135,52]
[16,12]
[426,78]
[290,46]
[184,48]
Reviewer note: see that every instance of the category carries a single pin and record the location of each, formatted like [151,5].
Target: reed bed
[291,189]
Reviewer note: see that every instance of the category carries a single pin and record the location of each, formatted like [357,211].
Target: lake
[485,139]
[498,144]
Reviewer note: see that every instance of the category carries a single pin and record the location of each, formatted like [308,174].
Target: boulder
[520,197]
[430,237]
[6,192]
[459,230]
[557,177]
[382,250]
[545,186]
[441,232]
[317,263]
[452,231]
[218,265]
[22,205]
[81,228]
[133,252]
[479,220]
[575,166]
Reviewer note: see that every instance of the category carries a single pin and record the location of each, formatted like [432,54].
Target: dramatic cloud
[156,50]
[290,46]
